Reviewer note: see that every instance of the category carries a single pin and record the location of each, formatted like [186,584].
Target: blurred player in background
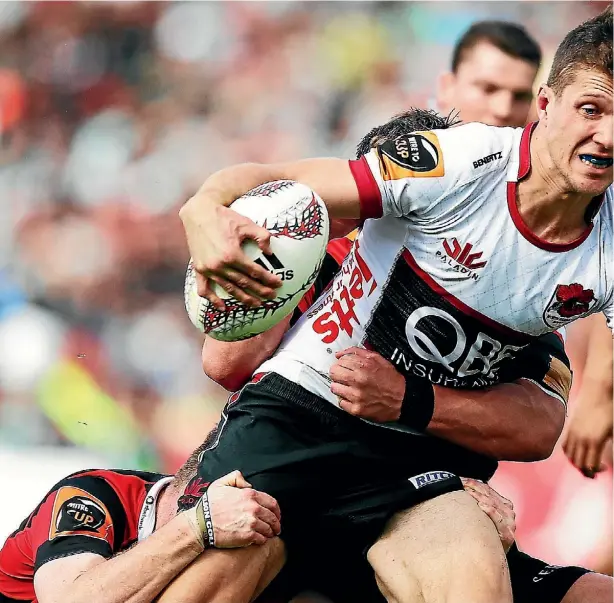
[494,65]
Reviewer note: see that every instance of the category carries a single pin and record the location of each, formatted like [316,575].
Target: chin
[591,185]
[593,188]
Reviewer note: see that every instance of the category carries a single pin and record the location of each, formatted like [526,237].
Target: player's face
[489,86]
[578,130]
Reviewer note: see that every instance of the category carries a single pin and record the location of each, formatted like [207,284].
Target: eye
[589,110]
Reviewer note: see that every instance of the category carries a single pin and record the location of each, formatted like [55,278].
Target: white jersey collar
[147,517]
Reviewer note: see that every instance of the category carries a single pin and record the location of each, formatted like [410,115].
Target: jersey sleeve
[545,363]
[410,174]
[75,518]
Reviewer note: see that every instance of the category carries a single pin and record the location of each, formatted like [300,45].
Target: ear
[545,96]
[445,91]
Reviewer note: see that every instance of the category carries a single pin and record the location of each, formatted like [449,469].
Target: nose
[502,107]
[603,134]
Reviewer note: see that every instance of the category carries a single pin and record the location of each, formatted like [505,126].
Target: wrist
[596,391]
[203,201]
[186,526]
[199,518]
[418,403]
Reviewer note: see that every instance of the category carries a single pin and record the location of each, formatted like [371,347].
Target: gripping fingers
[268,502]
[247,283]
[592,459]
[269,518]
[345,392]
[236,292]
[203,288]
[342,375]
[259,274]
[262,528]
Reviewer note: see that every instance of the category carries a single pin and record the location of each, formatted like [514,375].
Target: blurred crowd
[111,115]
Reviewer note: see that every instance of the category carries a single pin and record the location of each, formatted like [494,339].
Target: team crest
[568,303]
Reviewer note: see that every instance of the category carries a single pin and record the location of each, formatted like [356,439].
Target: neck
[166,508]
[547,205]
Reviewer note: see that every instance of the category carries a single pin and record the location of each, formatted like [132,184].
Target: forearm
[330,178]
[139,574]
[227,575]
[231,364]
[597,377]
[511,421]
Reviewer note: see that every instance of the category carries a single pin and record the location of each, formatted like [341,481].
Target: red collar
[524,167]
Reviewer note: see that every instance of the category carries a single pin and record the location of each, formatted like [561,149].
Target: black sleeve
[83,515]
[544,362]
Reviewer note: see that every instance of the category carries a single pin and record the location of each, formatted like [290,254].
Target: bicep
[52,578]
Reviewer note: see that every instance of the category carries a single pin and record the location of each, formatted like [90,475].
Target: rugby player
[67,550]
[232,364]
[494,65]
[533,205]
[59,551]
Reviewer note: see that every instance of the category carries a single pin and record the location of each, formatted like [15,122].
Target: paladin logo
[460,258]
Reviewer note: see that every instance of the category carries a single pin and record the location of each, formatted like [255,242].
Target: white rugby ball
[298,222]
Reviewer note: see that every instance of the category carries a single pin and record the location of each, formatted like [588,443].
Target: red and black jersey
[94,511]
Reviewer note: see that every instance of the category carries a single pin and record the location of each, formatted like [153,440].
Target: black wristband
[205,523]
[418,403]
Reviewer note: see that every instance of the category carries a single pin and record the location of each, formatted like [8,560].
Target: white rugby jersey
[449,283]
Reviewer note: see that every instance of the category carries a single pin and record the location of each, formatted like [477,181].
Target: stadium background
[111,114]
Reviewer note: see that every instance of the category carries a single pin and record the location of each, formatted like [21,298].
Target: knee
[396,583]
[475,573]
[487,567]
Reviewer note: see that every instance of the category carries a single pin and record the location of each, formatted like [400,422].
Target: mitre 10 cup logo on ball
[298,222]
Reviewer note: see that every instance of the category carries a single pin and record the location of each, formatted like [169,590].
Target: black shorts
[329,471]
[534,581]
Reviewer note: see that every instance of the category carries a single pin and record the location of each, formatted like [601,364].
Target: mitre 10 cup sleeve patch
[416,155]
[79,513]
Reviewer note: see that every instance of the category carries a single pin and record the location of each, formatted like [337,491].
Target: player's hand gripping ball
[298,222]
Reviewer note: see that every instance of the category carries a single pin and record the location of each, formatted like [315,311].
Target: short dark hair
[414,120]
[188,470]
[588,46]
[510,38]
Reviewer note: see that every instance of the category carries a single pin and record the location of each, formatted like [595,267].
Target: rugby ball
[298,222]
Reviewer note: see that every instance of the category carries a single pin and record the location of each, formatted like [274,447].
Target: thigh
[443,549]
[590,588]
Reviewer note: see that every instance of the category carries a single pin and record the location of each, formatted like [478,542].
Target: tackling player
[67,550]
[448,188]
